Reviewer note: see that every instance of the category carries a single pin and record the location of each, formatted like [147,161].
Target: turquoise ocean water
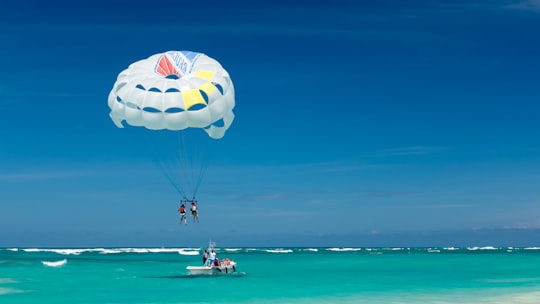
[272,275]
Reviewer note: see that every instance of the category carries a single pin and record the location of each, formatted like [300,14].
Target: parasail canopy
[174,90]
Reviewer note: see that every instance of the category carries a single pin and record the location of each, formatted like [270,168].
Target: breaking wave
[191,251]
[343,249]
[55,263]
[188,252]
[279,250]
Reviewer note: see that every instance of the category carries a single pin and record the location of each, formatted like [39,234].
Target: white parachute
[174,90]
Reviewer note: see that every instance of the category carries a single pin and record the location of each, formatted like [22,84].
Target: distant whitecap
[450,248]
[55,263]
[110,251]
[188,252]
[344,249]
[279,250]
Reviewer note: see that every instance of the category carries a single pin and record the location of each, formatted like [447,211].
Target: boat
[211,270]
[225,266]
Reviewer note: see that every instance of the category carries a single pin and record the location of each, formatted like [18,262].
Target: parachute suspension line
[163,163]
[200,160]
[171,179]
[202,171]
[183,160]
[190,161]
[201,175]
[192,164]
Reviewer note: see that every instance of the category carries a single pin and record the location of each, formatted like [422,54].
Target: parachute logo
[166,68]
[174,90]
[174,65]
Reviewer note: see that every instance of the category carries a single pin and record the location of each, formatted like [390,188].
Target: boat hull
[211,270]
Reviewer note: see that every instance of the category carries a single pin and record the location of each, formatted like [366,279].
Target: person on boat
[212,258]
[194,211]
[182,211]
[205,257]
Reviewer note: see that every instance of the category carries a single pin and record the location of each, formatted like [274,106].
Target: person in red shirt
[182,211]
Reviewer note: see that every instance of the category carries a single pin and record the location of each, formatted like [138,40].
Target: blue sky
[358,123]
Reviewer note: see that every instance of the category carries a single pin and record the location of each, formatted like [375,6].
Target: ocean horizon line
[188,250]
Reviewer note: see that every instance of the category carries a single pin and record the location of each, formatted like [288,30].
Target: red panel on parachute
[165,67]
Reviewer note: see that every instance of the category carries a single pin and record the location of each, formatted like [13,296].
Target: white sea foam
[482,248]
[153,250]
[343,249]
[188,252]
[33,250]
[62,251]
[112,250]
[69,251]
[55,263]
[134,250]
[195,250]
[451,248]
[278,250]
